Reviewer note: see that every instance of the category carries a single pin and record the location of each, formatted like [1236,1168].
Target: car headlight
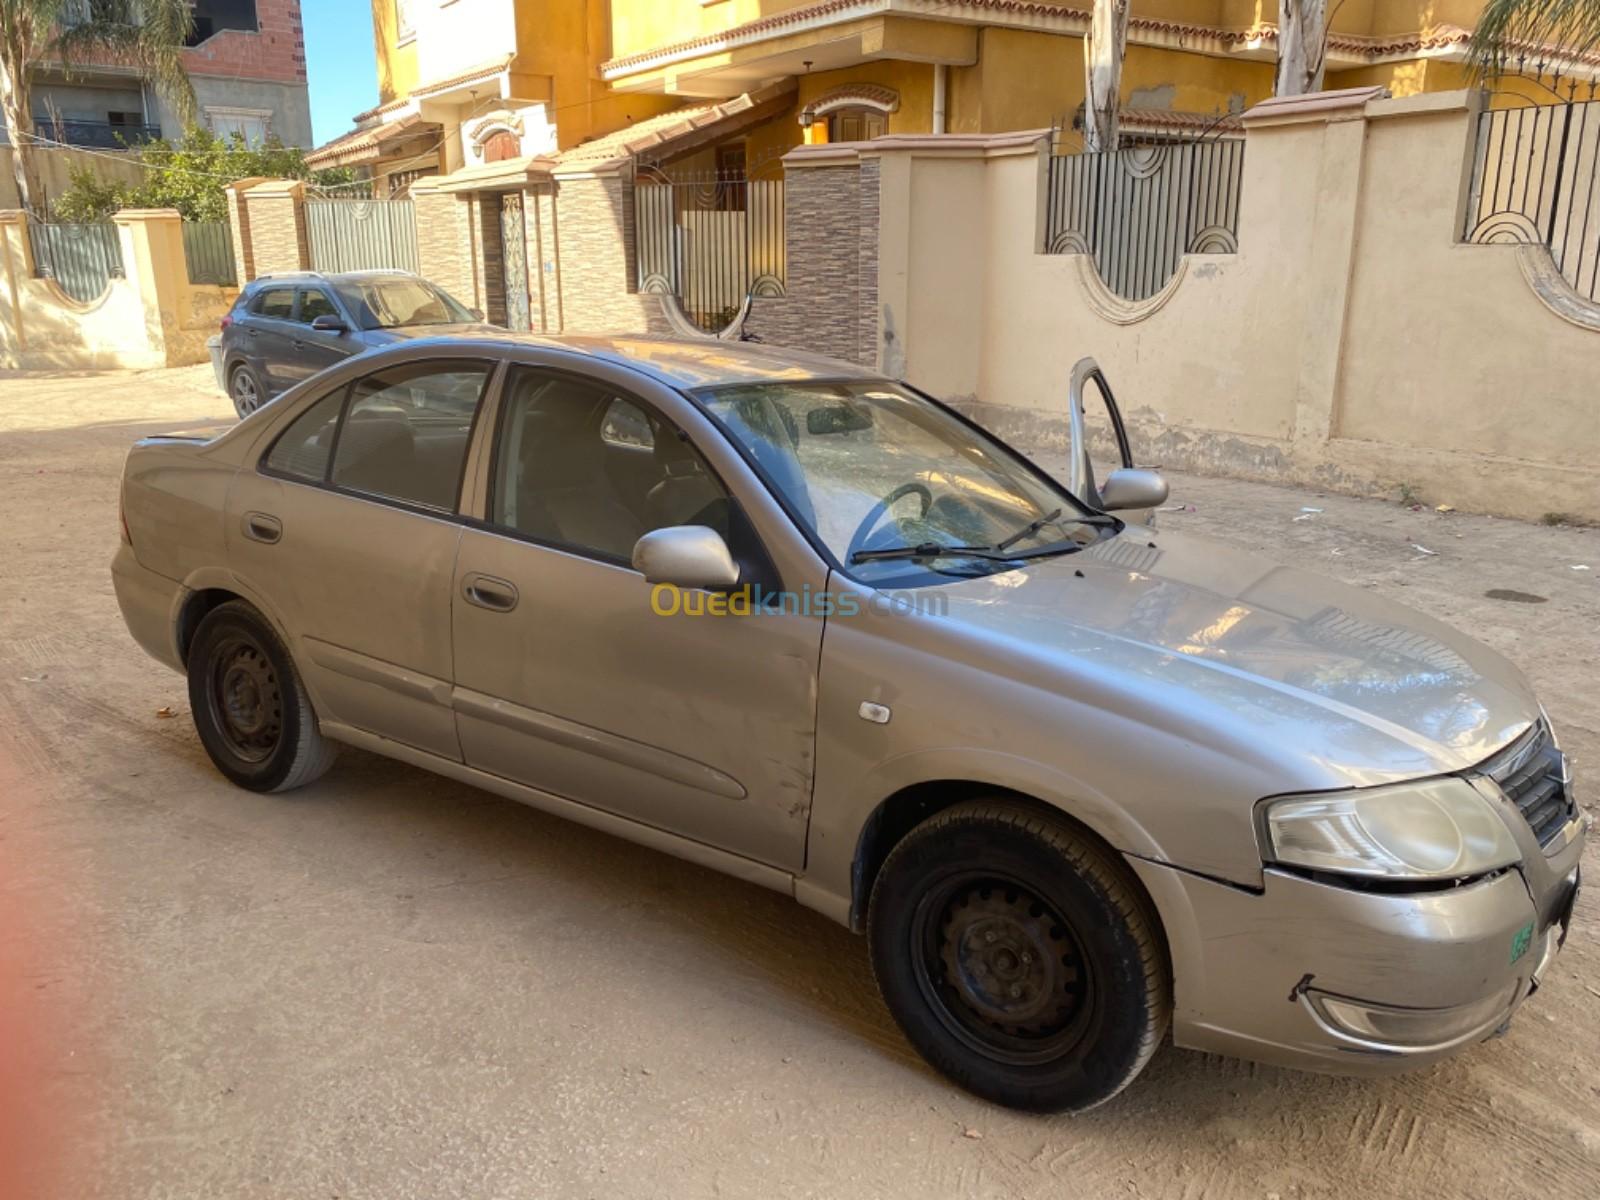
[1435,829]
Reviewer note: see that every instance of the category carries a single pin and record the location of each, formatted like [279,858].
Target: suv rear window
[274,302]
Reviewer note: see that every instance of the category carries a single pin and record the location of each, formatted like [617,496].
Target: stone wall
[594,230]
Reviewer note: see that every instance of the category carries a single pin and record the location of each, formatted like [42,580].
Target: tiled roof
[656,135]
[363,145]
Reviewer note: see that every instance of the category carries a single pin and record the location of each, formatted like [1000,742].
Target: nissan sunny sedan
[1081,782]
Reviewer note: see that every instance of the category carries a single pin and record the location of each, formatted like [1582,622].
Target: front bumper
[1311,975]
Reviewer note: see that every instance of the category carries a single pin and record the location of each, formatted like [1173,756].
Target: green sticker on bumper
[1521,940]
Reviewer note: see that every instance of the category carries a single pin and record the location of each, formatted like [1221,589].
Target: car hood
[1233,651]
[405,333]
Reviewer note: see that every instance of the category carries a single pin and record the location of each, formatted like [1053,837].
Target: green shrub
[188,175]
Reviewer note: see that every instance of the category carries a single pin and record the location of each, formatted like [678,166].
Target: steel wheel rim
[245,699]
[244,392]
[1000,969]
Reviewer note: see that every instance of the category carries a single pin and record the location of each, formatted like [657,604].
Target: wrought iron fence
[362,235]
[1536,180]
[81,258]
[1138,211]
[99,134]
[208,252]
[710,240]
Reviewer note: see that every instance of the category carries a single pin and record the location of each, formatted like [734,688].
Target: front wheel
[1019,957]
[250,708]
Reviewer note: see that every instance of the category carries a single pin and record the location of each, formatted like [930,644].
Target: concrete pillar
[1338,120]
[152,256]
[16,266]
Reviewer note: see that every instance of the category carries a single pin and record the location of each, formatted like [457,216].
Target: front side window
[277,303]
[874,472]
[315,303]
[405,432]
[397,302]
[579,467]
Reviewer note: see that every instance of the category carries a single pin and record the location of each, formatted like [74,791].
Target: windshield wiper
[1028,530]
[930,550]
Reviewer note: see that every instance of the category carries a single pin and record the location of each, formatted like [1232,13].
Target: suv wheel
[250,708]
[1019,957]
[245,390]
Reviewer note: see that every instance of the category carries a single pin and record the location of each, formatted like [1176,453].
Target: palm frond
[1511,33]
[147,35]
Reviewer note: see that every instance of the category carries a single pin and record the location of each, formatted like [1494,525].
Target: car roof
[335,277]
[677,362]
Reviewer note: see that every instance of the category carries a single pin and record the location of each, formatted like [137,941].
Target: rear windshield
[390,303]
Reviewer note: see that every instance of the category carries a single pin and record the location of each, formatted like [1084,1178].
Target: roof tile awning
[680,131]
[369,144]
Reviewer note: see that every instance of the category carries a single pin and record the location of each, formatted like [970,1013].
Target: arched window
[855,112]
[501,145]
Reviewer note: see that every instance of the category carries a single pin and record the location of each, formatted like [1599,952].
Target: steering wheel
[876,513]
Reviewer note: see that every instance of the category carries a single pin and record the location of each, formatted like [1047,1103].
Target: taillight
[227,319]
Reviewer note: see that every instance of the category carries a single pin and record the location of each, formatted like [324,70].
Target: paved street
[391,986]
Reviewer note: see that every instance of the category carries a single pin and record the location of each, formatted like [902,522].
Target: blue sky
[340,65]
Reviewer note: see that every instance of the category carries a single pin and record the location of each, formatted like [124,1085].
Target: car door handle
[262,527]
[299,345]
[496,595]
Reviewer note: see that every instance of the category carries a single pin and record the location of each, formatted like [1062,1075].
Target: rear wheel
[1019,957]
[250,708]
[245,390]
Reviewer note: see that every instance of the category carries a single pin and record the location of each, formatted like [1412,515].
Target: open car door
[1100,469]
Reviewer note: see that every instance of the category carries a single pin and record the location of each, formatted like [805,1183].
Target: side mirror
[328,323]
[1133,487]
[689,556]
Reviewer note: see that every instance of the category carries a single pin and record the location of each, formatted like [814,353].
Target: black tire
[245,390]
[1019,956]
[249,705]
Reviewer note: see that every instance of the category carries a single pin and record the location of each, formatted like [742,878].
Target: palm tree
[1302,46]
[1513,31]
[147,35]
[1103,50]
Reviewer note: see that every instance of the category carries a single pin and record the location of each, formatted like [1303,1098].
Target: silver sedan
[1080,781]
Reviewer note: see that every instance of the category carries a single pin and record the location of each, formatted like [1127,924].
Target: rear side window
[274,302]
[302,450]
[406,430]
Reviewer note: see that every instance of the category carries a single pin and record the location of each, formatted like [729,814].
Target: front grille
[1532,774]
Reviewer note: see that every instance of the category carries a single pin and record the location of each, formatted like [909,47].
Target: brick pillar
[273,217]
[444,240]
[593,224]
[244,259]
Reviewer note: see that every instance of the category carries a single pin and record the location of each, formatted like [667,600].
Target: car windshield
[894,486]
[390,303]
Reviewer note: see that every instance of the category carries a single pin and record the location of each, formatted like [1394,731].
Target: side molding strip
[589,740]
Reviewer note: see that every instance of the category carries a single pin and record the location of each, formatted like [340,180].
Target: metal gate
[710,240]
[514,260]
[362,235]
[81,258]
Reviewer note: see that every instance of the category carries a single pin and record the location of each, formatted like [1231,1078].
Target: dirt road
[391,986]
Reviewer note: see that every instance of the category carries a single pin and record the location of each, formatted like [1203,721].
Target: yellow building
[467,82]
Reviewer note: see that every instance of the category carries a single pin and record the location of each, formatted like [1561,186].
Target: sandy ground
[392,986]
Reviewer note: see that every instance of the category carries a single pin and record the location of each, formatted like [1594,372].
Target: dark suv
[285,328]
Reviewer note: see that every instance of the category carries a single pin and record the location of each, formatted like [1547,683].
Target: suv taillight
[227,320]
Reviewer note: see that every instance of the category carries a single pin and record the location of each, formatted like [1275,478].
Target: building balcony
[99,135]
